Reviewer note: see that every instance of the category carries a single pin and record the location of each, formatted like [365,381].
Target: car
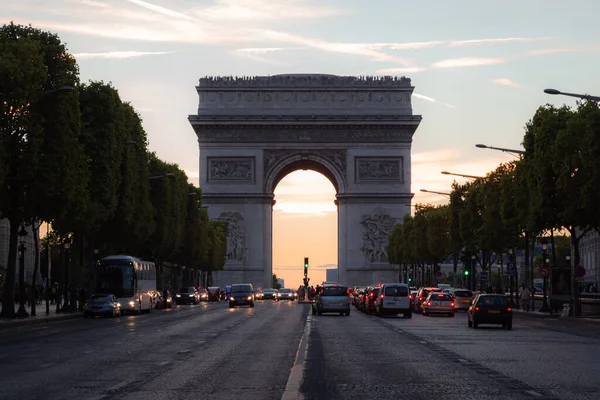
[242,294]
[286,294]
[490,309]
[270,294]
[422,296]
[438,303]
[462,299]
[394,298]
[187,295]
[332,299]
[102,305]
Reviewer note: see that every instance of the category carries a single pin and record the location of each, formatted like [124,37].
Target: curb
[535,314]
[38,321]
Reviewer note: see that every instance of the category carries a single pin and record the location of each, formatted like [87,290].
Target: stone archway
[357,132]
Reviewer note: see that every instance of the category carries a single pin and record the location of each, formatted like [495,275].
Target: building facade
[29,251]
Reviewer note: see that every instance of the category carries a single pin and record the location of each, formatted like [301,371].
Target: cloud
[552,51]
[450,105]
[422,97]
[161,10]
[467,62]
[478,42]
[257,53]
[400,71]
[506,82]
[118,54]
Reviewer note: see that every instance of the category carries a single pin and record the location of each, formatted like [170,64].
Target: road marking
[462,360]
[422,342]
[292,388]
[202,341]
[534,393]
[163,363]
[120,385]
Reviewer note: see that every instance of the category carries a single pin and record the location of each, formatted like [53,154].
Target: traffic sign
[544,272]
[580,272]
[484,275]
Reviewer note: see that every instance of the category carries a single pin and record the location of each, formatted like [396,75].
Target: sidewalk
[39,318]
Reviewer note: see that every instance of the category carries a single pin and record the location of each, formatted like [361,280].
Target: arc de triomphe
[355,131]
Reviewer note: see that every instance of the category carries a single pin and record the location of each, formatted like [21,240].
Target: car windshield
[100,297]
[285,291]
[335,291]
[186,290]
[240,289]
[440,297]
[463,293]
[493,301]
[396,291]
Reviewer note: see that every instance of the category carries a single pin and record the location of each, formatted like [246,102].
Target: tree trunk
[553,247]
[8,298]
[36,266]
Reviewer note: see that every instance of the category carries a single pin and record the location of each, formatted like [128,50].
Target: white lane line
[163,363]
[462,360]
[422,342]
[120,385]
[534,393]
[292,388]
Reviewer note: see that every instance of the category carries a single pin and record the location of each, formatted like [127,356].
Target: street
[279,351]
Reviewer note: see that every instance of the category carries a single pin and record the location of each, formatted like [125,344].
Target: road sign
[580,272]
[544,272]
[484,275]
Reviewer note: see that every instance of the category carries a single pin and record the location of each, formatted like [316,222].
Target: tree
[41,156]
[274,283]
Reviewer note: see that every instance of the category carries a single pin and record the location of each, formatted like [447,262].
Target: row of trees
[75,155]
[552,187]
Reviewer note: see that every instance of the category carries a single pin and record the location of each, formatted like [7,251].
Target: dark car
[241,295]
[286,294]
[186,295]
[490,309]
[270,294]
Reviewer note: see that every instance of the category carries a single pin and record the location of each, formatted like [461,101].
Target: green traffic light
[466,272]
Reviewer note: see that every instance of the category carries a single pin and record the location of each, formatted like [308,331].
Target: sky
[479,69]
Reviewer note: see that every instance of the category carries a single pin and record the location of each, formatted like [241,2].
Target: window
[463,293]
[334,291]
[396,291]
[493,301]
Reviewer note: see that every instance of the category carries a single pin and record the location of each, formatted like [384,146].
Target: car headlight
[177,295]
[249,297]
[191,295]
[132,303]
[232,298]
[169,300]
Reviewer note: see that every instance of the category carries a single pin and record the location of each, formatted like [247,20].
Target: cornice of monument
[304,81]
[304,120]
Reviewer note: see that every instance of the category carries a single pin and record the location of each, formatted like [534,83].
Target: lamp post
[22,313]
[462,175]
[545,260]
[431,191]
[67,247]
[581,96]
[514,152]
[472,274]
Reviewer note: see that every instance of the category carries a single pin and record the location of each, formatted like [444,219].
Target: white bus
[130,279]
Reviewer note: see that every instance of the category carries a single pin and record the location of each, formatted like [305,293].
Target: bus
[131,280]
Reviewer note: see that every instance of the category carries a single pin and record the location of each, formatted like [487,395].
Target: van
[394,299]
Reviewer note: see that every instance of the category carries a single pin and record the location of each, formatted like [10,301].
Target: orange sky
[304,225]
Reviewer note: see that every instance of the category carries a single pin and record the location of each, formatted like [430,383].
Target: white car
[394,298]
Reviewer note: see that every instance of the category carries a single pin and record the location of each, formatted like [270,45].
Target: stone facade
[589,252]
[355,131]
[29,251]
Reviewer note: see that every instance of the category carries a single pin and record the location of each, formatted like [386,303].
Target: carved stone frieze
[318,134]
[379,169]
[231,169]
[236,235]
[303,81]
[377,230]
[336,156]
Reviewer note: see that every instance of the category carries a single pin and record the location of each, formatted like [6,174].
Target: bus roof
[124,257]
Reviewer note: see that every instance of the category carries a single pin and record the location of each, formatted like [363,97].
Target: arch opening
[303,162]
[305,224]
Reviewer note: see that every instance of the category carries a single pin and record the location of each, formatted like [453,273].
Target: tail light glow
[428,303]
[509,309]
[451,304]
[381,296]
[410,296]
[476,308]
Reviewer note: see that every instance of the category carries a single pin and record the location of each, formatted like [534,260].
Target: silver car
[102,305]
[439,303]
[332,299]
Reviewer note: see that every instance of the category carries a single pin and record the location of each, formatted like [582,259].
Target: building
[589,253]
[29,251]
[331,275]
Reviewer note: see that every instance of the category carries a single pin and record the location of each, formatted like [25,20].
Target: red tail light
[410,296]
[451,304]
[454,296]
[509,309]
[371,294]
[476,308]
[472,297]
[428,303]
[381,296]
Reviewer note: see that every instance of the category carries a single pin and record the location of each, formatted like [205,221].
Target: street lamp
[581,96]
[514,152]
[431,191]
[67,246]
[462,175]
[545,260]
[472,274]
[22,313]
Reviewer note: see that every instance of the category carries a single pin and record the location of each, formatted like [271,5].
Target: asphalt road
[279,351]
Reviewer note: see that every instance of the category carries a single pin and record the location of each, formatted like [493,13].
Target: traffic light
[466,272]
[305,266]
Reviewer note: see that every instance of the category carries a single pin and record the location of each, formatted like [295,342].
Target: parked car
[490,309]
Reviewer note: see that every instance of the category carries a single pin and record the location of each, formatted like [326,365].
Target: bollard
[565,311]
